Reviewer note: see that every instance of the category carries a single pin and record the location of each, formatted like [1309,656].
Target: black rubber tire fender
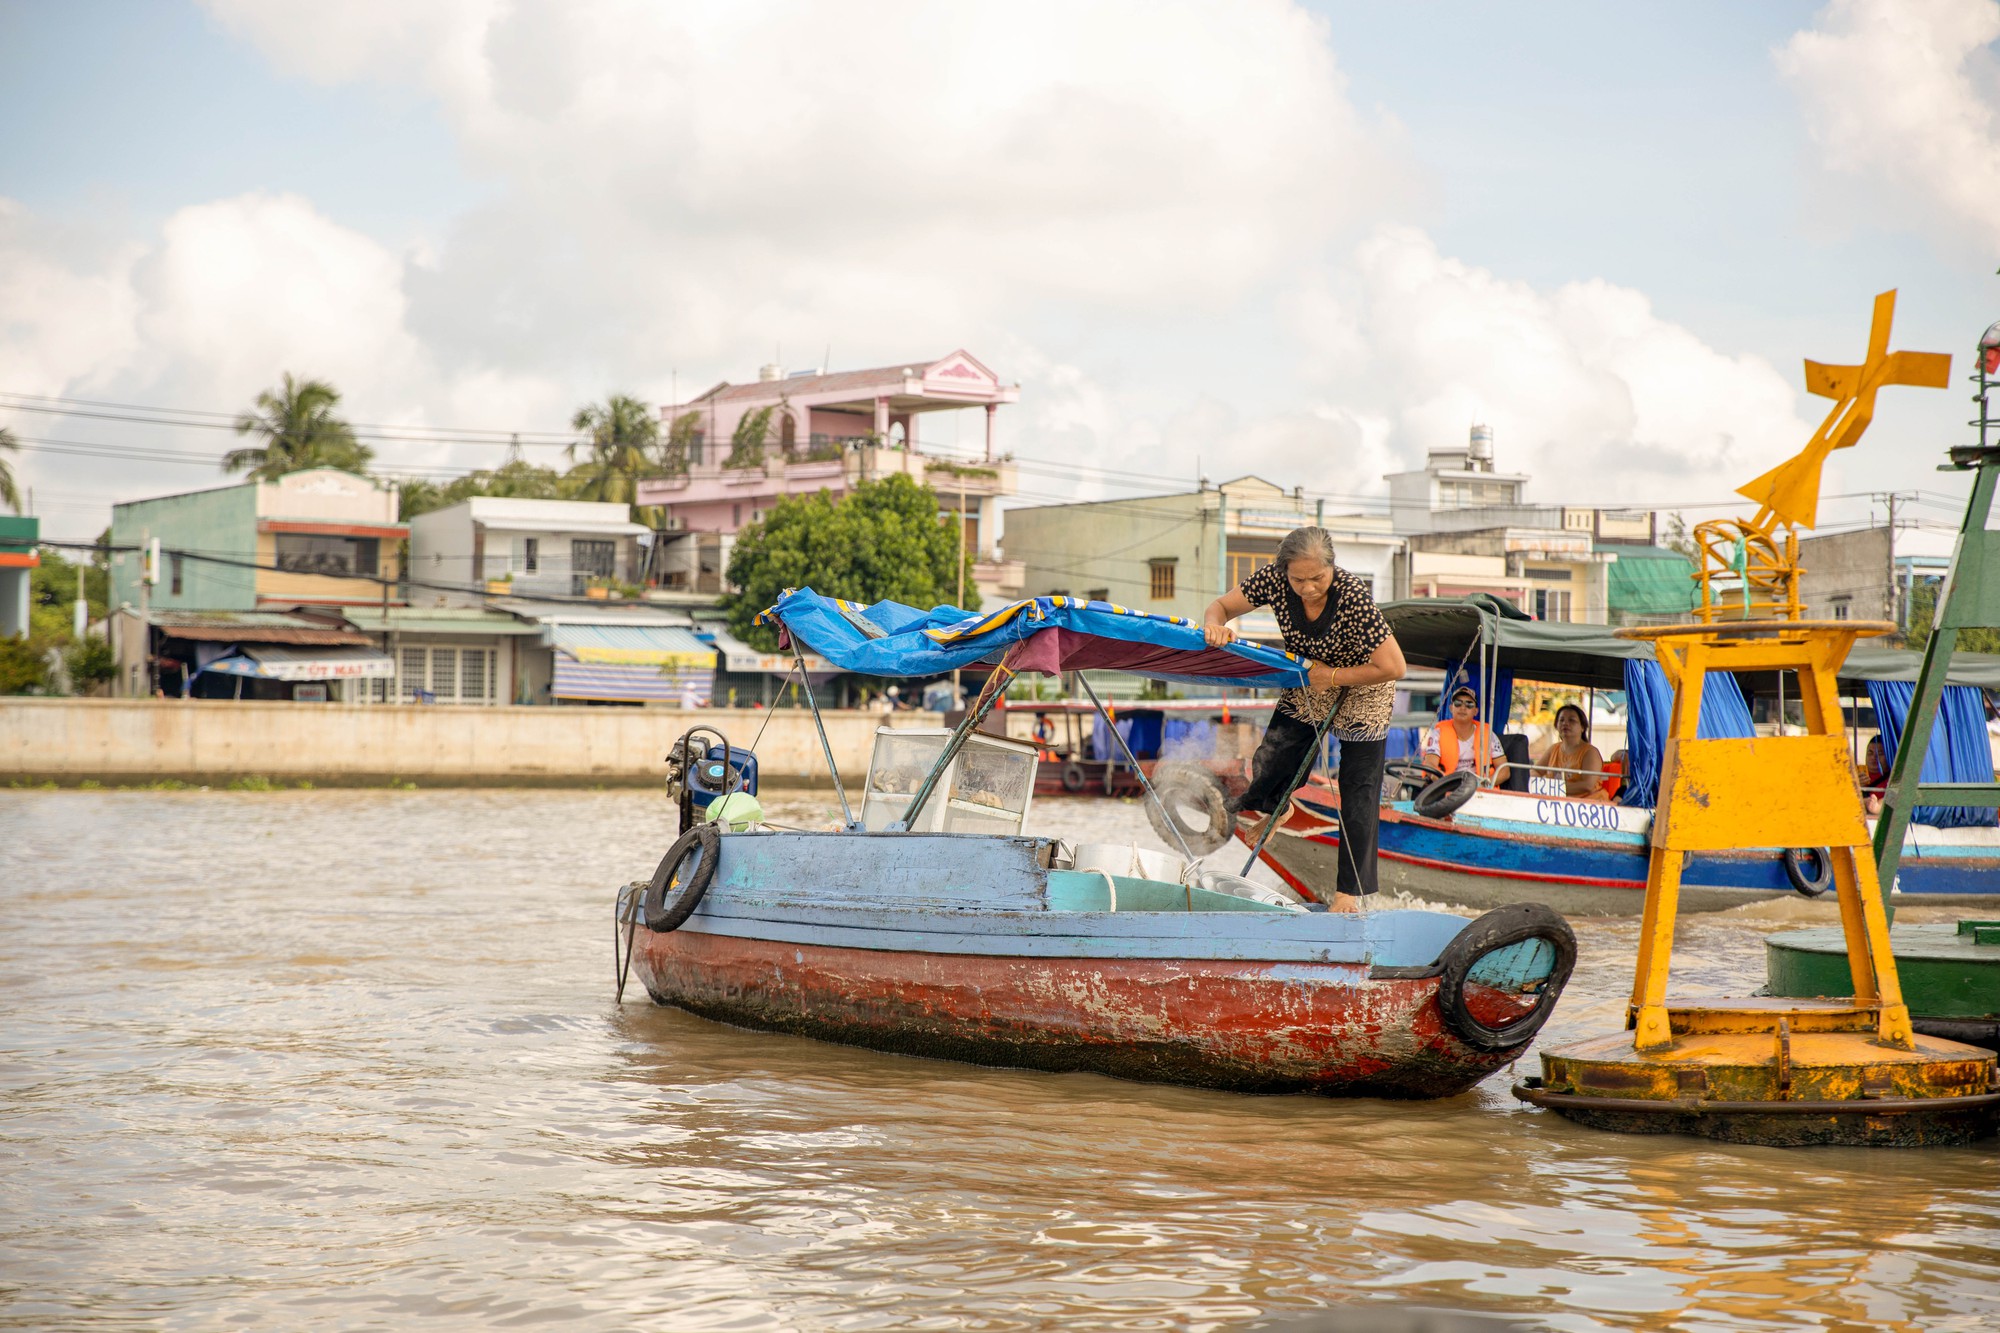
[1809,886]
[1074,778]
[1410,778]
[1191,784]
[1443,798]
[1499,928]
[704,841]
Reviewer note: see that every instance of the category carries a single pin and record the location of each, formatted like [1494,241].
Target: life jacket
[1482,757]
[1614,778]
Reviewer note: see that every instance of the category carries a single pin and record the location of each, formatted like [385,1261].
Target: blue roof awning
[1052,633]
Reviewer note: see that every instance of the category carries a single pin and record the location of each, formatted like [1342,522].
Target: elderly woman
[1327,616]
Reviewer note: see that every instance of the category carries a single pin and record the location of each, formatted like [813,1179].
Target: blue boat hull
[1578,869]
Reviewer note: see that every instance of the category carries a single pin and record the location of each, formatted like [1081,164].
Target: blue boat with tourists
[931,921]
[1456,841]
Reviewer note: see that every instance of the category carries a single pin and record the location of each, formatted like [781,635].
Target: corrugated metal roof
[253,627]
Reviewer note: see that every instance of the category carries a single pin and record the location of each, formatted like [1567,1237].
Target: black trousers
[1277,762]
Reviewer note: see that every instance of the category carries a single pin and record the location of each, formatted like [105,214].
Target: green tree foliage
[23,667]
[883,540]
[53,586]
[90,663]
[679,449]
[299,431]
[1923,605]
[10,490]
[746,446]
[515,479]
[620,437]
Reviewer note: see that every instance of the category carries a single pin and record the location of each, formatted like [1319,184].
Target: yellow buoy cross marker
[1790,491]
[1749,569]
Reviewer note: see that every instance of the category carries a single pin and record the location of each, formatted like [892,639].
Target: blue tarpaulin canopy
[1045,634]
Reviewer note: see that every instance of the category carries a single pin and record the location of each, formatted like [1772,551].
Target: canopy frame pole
[996,685]
[1144,781]
[819,724]
[1284,805]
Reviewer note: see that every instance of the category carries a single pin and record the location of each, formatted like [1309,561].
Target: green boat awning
[1441,631]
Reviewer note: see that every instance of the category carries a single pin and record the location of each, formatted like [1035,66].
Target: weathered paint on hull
[1239,1026]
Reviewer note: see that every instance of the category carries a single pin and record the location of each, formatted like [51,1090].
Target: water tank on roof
[770,372]
[1480,452]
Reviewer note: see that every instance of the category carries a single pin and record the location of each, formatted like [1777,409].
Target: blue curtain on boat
[1958,752]
[1649,715]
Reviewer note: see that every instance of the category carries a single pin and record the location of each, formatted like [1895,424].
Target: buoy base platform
[1779,1072]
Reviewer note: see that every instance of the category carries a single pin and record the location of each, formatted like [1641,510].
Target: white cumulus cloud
[1903,97]
[1586,387]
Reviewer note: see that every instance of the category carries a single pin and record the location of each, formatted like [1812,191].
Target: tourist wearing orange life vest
[1463,741]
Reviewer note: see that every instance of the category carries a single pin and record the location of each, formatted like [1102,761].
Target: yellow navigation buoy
[1763,1070]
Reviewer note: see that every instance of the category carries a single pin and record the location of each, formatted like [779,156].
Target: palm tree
[299,431]
[10,493]
[622,436]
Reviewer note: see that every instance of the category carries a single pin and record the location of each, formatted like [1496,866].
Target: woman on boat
[1327,616]
[1462,741]
[1573,758]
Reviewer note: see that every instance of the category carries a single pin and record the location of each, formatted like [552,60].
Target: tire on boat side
[1805,885]
[703,840]
[1447,794]
[1074,778]
[1515,923]
[1190,785]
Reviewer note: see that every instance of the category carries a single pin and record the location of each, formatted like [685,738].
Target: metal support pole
[1144,781]
[825,745]
[1298,780]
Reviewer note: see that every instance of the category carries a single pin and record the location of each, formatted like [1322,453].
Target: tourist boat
[933,924]
[1584,857]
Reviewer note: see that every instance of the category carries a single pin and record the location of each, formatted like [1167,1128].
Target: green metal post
[1970,596]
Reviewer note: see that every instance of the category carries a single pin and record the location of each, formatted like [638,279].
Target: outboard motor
[698,775]
[712,777]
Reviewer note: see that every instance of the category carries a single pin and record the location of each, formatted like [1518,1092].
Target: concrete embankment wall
[140,740]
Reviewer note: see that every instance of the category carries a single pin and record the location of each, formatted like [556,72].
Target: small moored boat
[933,924]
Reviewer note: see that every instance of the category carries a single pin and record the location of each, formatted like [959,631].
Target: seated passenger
[1573,758]
[1614,775]
[1874,775]
[1464,742]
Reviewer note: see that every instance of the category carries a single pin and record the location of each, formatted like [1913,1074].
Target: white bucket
[1129,860]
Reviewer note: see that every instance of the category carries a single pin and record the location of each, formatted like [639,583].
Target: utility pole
[960,603]
[1895,592]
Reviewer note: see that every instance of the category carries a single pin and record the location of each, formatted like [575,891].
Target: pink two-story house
[829,432]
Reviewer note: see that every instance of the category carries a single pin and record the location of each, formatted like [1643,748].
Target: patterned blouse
[1347,633]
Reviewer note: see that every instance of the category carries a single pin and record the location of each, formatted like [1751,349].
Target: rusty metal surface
[1242,1026]
[1817,1085]
[1889,1123]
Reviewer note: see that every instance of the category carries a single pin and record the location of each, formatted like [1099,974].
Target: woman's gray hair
[1300,542]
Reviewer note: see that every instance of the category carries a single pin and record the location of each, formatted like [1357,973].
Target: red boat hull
[1243,1026]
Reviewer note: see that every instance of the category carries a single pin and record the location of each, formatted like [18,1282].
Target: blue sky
[1307,243]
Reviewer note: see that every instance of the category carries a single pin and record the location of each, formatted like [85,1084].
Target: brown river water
[347,1059]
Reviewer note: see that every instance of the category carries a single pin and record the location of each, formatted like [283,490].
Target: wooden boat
[900,932]
[1581,857]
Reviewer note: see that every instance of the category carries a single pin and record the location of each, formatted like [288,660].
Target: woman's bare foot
[1346,902]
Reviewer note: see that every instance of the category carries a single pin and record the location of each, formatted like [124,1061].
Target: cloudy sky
[1306,240]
